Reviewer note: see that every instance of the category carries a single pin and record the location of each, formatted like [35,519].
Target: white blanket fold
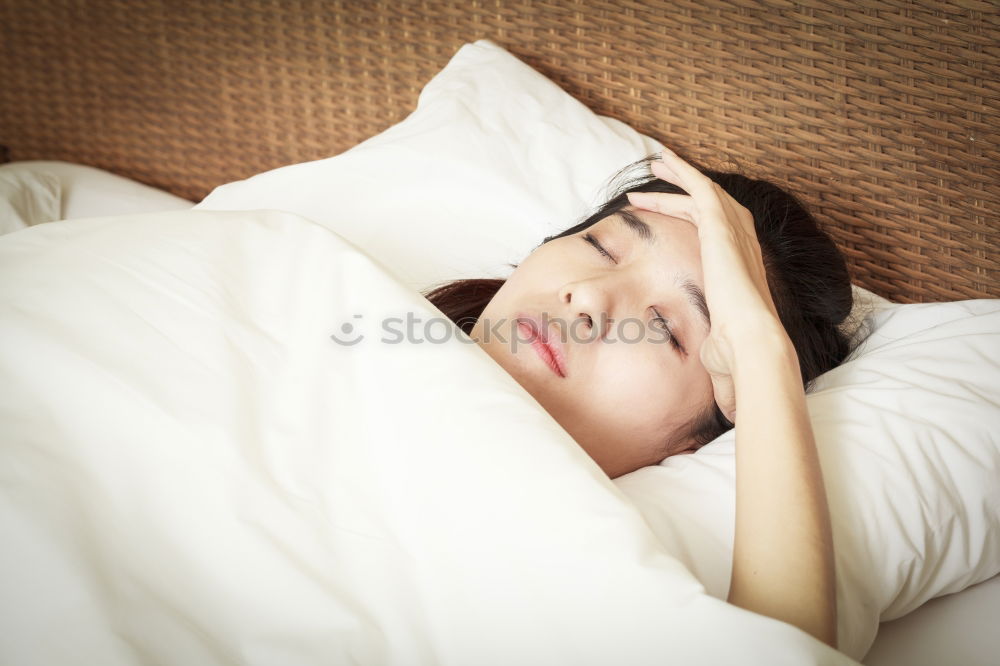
[194,472]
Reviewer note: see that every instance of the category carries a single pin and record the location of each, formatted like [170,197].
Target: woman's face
[620,387]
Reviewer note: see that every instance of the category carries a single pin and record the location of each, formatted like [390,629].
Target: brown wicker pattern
[883,114]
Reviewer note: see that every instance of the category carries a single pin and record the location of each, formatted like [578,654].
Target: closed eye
[663,325]
[659,322]
[597,245]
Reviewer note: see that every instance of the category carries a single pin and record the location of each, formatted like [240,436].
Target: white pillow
[496,157]
[909,436]
[27,197]
[91,192]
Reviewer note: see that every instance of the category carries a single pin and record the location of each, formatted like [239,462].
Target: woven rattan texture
[882,115]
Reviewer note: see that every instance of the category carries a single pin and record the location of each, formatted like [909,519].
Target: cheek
[644,394]
[533,284]
[503,302]
[518,283]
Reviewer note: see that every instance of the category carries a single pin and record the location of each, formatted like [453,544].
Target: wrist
[763,345]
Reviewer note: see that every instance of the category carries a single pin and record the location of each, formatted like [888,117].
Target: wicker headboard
[882,114]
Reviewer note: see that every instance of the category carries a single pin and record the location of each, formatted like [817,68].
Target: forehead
[654,218]
[669,249]
[673,236]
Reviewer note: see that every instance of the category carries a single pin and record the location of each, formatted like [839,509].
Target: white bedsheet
[953,629]
[194,473]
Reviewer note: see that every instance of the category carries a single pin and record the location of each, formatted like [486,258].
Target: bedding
[905,171]
[88,192]
[953,629]
[195,472]
[496,157]
[28,197]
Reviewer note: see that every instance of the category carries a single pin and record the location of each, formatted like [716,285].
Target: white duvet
[194,472]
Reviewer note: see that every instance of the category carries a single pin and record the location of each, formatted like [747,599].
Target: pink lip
[547,346]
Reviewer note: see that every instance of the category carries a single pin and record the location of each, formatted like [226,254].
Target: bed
[877,113]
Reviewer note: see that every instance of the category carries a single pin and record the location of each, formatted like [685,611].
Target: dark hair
[806,275]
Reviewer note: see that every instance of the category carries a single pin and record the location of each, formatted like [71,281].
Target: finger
[714,359]
[663,172]
[725,396]
[735,210]
[726,202]
[676,205]
[691,179]
[682,206]
[709,198]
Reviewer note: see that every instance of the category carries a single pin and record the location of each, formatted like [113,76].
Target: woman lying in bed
[712,299]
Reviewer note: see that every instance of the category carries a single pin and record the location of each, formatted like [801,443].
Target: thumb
[715,357]
[725,395]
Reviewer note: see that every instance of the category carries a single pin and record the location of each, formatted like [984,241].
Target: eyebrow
[637,226]
[696,297]
[645,233]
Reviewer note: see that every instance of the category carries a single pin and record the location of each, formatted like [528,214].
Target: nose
[587,307]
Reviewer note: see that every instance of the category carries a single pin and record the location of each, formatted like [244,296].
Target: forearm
[783,564]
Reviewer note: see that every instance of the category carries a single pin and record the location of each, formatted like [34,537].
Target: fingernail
[639,198]
[662,171]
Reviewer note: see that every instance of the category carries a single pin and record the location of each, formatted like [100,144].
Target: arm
[783,551]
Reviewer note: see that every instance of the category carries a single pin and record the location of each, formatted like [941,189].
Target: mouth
[546,346]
